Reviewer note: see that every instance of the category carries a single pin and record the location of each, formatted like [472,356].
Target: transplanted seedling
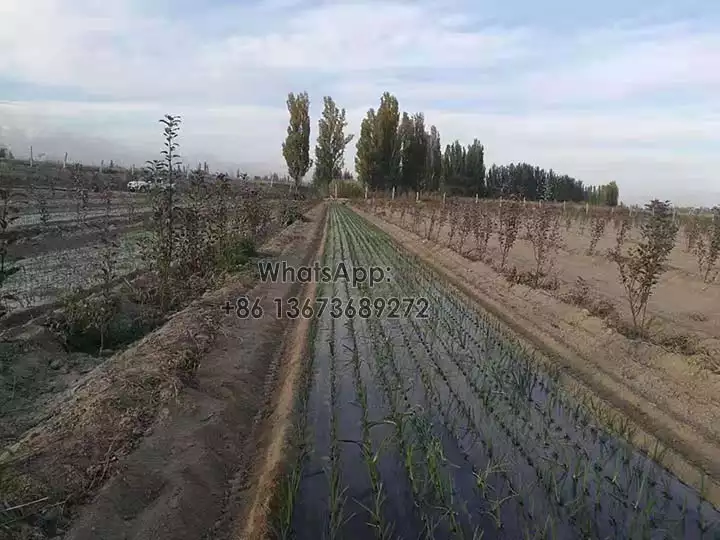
[640,269]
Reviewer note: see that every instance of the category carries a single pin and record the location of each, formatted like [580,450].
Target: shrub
[544,235]
[508,222]
[597,229]
[641,268]
[707,248]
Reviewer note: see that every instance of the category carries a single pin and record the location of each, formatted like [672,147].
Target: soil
[684,309]
[156,442]
[252,523]
[665,394]
[58,238]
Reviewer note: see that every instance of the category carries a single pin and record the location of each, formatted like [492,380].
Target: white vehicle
[144,185]
[138,185]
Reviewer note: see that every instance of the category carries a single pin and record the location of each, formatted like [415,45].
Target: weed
[680,343]
[290,213]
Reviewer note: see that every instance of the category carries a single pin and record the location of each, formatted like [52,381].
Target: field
[568,252]
[55,238]
[447,427]
[495,383]
[57,244]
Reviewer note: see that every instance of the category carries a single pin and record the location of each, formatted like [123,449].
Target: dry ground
[157,441]
[670,396]
[686,311]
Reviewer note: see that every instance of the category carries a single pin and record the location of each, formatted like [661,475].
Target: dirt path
[186,476]
[252,522]
[665,399]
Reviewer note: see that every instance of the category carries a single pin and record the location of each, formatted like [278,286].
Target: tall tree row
[463,169]
[606,194]
[533,183]
[379,148]
[395,150]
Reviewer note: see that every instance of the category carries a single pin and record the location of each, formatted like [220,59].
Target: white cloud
[585,103]
[613,65]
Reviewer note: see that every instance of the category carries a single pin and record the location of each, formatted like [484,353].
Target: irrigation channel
[445,427]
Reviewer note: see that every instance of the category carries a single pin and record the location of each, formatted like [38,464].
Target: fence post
[31,156]
[417,196]
[65,160]
[476,198]
[443,198]
[587,208]
[392,197]
[366,189]
[336,190]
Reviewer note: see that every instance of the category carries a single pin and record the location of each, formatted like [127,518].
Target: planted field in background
[445,427]
[48,276]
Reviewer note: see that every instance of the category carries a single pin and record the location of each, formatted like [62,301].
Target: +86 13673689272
[364,307]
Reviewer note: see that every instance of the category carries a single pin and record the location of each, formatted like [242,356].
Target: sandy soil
[681,304]
[147,452]
[664,393]
[251,523]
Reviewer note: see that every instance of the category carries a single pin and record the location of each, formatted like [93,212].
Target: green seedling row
[446,427]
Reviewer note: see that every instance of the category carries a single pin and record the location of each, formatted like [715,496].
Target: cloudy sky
[624,90]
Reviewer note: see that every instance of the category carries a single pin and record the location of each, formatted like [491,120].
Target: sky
[625,91]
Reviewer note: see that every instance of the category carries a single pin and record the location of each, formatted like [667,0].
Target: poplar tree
[296,148]
[331,143]
[366,165]
[387,141]
[433,160]
[413,154]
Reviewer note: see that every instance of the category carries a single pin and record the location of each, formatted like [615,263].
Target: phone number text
[363,308]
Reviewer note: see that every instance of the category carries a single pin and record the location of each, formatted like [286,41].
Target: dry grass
[67,457]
